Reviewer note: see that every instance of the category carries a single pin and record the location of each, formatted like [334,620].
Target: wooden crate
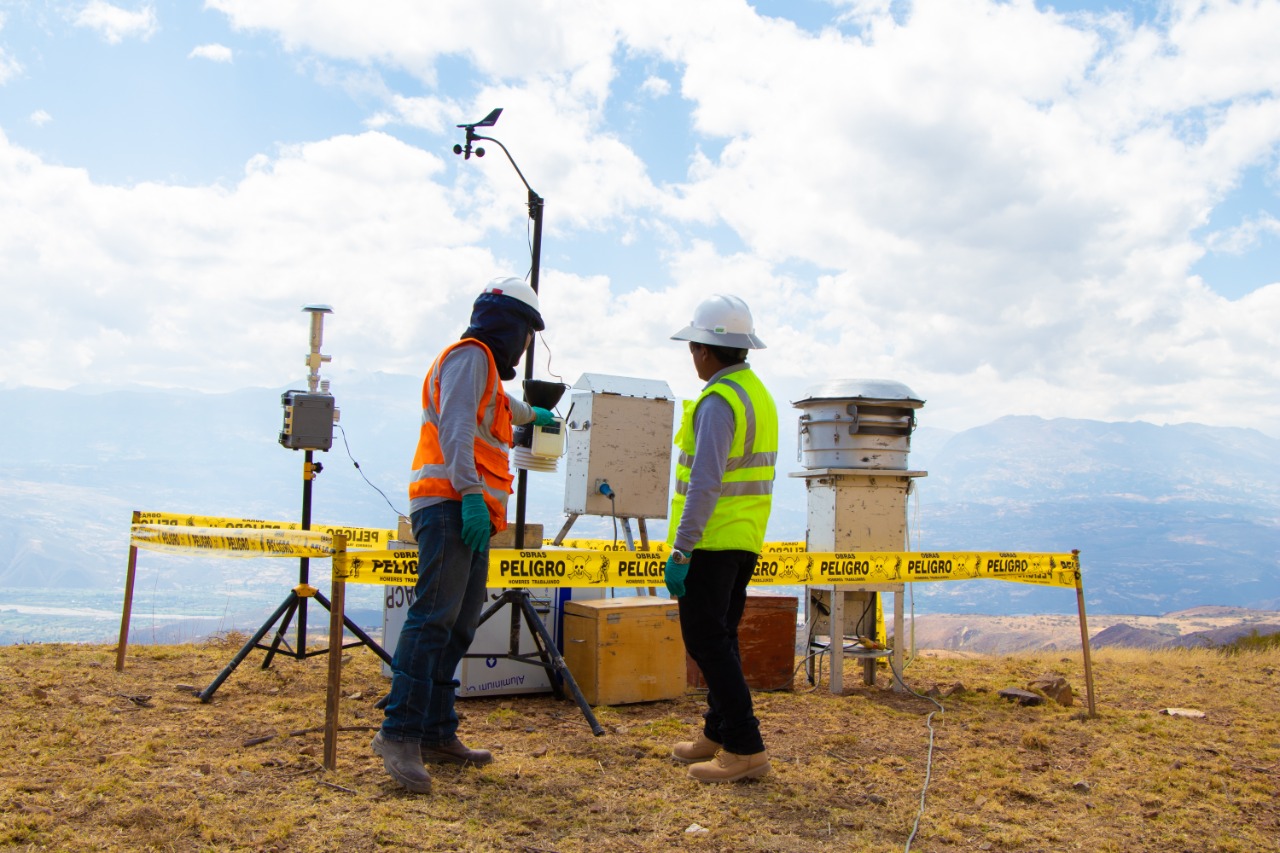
[623,650]
[766,642]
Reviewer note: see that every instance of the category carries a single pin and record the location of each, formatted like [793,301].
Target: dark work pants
[438,629]
[710,610]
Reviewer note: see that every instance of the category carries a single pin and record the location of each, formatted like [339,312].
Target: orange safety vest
[493,439]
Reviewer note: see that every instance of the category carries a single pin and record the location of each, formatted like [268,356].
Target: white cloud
[40,118]
[200,286]
[9,67]
[655,87]
[211,52]
[429,113]
[992,203]
[115,24]
[507,39]
[1245,236]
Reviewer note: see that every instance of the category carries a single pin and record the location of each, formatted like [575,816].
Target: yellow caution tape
[605,545]
[357,537]
[588,562]
[179,520]
[771,549]
[660,547]
[590,568]
[559,567]
[585,562]
[232,542]
[913,567]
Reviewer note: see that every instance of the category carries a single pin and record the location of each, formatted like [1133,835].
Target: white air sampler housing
[619,433]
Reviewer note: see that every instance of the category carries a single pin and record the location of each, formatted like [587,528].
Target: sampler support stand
[308,426]
[294,603]
[547,655]
[626,531]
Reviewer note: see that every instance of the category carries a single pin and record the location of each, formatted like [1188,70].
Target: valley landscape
[1168,519]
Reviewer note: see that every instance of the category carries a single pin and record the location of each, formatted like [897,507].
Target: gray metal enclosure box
[308,421]
[620,431]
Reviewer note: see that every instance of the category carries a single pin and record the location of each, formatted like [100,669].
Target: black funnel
[544,395]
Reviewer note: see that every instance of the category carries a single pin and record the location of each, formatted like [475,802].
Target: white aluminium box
[493,674]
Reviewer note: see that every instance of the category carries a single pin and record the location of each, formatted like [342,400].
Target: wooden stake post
[1084,637]
[333,691]
[128,596]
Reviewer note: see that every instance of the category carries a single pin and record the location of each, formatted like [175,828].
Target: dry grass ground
[86,763]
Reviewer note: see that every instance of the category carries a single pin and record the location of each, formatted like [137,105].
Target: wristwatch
[679,557]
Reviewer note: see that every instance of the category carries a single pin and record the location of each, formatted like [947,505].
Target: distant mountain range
[1166,517]
[1198,627]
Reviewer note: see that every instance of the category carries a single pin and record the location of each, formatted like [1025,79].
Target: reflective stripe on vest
[746,495]
[492,440]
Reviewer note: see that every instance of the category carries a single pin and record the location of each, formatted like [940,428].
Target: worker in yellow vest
[457,499]
[728,447]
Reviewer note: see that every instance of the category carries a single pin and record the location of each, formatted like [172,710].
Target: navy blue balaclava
[503,324]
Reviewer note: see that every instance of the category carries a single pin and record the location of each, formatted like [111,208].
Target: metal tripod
[294,604]
[547,655]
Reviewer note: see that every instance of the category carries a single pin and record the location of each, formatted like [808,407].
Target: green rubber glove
[475,522]
[542,417]
[673,576]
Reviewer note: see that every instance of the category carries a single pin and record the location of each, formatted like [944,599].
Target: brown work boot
[731,767]
[693,751]
[403,762]
[454,752]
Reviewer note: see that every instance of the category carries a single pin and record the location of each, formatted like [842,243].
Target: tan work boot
[693,751]
[454,752]
[403,762]
[731,767]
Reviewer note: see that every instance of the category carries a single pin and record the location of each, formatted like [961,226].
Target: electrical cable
[528,234]
[817,674]
[605,489]
[361,470]
[547,347]
[928,766]
[613,510]
[928,770]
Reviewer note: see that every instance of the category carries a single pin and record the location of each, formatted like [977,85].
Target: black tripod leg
[556,664]
[355,629]
[556,681]
[492,609]
[284,626]
[207,694]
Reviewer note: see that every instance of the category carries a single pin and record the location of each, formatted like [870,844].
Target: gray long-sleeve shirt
[713,439]
[463,375]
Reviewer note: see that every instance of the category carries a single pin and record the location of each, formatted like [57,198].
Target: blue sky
[1066,209]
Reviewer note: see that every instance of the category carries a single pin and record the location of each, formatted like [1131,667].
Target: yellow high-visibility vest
[738,521]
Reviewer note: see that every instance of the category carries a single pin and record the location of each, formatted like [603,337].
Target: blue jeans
[438,629]
[710,611]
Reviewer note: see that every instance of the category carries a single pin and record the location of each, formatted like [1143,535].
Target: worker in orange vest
[457,500]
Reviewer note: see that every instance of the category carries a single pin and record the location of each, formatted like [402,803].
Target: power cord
[366,479]
[928,768]
[607,490]
[547,347]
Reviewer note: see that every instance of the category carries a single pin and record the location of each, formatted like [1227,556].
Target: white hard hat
[518,290]
[721,321]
